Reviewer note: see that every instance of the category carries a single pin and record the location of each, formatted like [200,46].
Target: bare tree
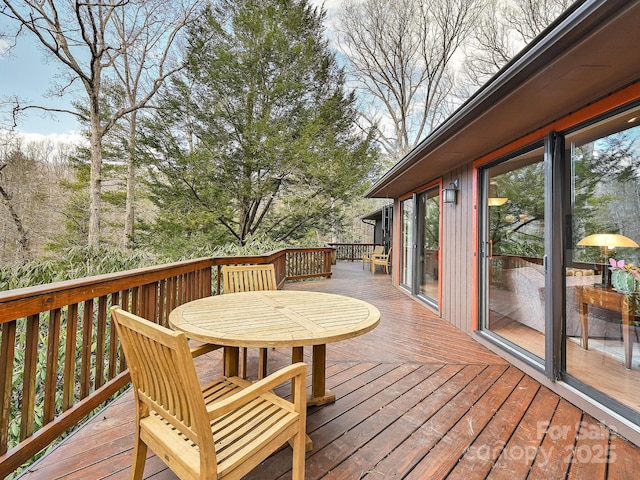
[7,201]
[84,37]
[30,195]
[401,56]
[502,30]
[147,33]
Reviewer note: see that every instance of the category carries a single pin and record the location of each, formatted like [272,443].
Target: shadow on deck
[416,399]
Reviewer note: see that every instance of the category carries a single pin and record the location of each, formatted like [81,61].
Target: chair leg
[139,457]
[298,444]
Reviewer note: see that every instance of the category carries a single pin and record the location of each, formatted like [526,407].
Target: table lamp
[607,243]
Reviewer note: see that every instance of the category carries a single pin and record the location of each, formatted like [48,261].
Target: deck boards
[416,399]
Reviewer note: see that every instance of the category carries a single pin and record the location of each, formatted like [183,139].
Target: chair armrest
[296,371]
[202,349]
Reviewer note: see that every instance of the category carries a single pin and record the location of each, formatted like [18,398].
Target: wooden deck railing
[59,355]
[351,251]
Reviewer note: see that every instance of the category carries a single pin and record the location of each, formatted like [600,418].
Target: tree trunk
[131,183]
[95,182]
[23,239]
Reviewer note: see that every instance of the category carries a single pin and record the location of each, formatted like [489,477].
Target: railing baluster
[148,300]
[113,341]
[135,300]
[51,380]
[7,351]
[101,334]
[29,379]
[87,340]
[124,303]
[69,380]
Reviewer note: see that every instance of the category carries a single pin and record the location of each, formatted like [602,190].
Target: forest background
[231,126]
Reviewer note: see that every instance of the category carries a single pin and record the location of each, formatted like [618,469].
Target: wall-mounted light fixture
[450,194]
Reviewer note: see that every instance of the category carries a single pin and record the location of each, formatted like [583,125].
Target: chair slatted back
[248,278]
[163,375]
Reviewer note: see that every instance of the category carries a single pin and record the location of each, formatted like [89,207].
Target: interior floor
[602,366]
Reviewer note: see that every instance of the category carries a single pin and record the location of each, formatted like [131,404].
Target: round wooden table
[277,318]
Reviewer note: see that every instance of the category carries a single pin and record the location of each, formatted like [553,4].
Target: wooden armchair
[248,278]
[366,256]
[220,431]
[381,259]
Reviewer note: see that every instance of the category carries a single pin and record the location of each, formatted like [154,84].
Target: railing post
[327,261]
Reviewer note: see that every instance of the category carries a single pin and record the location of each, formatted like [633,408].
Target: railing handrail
[102,284]
[74,315]
[352,251]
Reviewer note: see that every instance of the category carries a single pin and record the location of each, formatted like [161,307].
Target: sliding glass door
[560,258]
[602,328]
[421,245]
[428,244]
[513,249]
[408,242]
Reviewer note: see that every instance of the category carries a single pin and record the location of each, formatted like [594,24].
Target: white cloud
[73,138]
[4,47]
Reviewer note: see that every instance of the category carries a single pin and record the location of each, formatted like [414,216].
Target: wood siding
[457,245]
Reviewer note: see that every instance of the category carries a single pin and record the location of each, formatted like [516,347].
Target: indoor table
[623,303]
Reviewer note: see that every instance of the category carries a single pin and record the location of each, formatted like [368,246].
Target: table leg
[319,394]
[584,322]
[628,316]
[262,363]
[297,355]
[231,361]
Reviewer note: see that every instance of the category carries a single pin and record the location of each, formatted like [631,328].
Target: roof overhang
[376,214]
[591,51]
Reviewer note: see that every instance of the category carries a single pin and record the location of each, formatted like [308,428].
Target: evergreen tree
[257,137]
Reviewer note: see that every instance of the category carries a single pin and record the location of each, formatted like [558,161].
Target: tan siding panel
[457,243]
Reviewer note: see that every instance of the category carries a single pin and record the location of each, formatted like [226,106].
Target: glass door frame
[558,240]
[407,268]
[414,268]
[484,249]
[562,191]
[419,244]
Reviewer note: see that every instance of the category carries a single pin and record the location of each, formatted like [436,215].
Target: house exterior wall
[458,252]
[459,287]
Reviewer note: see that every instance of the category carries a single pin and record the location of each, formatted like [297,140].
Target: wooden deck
[416,399]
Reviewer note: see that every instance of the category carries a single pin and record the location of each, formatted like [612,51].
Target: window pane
[429,245]
[601,322]
[407,242]
[515,244]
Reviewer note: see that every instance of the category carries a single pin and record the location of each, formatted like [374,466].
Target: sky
[25,72]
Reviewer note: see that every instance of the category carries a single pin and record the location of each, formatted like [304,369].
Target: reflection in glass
[429,242]
[514,251]
[407,242]
[602,326]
